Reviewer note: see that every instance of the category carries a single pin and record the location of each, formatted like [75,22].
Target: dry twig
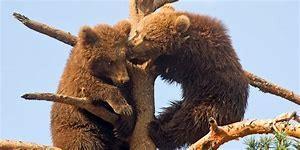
[219,135]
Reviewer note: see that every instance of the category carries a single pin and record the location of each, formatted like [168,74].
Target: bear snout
[121,79]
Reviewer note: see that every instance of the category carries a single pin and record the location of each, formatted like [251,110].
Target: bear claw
[124,109]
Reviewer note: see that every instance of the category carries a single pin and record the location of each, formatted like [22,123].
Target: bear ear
[123,26]
[182,23]
[167,8]
[87,35]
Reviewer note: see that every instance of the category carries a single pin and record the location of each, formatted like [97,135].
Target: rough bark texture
[220,135]
[143,78]
[142,91]
[10,145]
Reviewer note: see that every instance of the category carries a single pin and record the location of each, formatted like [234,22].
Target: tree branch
[79,102]
[159,3]
[254,80]
[60,35]
[141,8]
[10,145]
[219,135]
[269,87]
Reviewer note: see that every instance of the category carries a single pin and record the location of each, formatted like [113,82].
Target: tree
[143,74]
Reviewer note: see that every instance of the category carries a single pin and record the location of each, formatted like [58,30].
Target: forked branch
[219,135]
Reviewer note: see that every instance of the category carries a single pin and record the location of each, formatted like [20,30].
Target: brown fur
[197,54]
[95,63]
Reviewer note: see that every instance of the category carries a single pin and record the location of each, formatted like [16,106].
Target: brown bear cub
[198,54]
[96,64]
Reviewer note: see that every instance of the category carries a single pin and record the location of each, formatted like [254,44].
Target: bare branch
[10,145]
[240,129]
[69,39]
[79,102]
[60,35]
[159,3]
[269,87]
[140,8]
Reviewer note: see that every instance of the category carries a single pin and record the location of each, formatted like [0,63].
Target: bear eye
[109,62]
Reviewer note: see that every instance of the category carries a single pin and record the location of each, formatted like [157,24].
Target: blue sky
[265,35]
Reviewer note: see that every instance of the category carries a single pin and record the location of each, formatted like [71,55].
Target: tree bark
[11,145]
[220,135]
[143,92]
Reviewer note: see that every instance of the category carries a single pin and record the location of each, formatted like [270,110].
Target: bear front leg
[168,112]
[126,121]
[117,101]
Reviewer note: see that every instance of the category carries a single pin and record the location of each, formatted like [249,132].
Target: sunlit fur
[204,62]
[97,61]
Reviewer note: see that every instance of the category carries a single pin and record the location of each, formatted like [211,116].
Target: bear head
[104,48]
[158,33]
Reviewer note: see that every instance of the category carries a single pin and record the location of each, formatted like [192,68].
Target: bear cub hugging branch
[198,54]
[95,65]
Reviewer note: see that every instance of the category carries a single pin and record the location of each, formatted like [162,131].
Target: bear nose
[123,80]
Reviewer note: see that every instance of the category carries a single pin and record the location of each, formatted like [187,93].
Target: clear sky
[265,35]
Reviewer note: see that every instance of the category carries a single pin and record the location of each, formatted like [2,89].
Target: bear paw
[159,136]
[123,127]
[123,109]
[155,130]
